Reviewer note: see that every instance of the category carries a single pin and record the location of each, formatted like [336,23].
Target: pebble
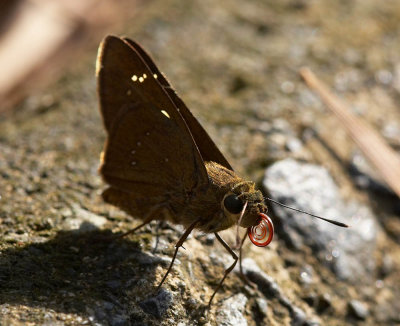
[384,77]
[306,274]
[210,239]
[84,221]
[324,302]
[231,311]
[365,175]
[267,286]
[119,320]
[294,144]
[262,306]
[298,317]
[157,305]
[114,284]
[358,309]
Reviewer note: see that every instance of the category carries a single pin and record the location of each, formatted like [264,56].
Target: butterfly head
[247,203]
[244,203]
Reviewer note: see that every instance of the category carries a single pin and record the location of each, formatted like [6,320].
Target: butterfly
[160,163]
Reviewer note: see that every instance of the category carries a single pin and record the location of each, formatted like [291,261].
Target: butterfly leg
[229,269]
[160,225]
[243,277]
[177,246]
[148,218]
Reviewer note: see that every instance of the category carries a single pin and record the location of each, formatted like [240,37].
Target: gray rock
[294,144]
[267,285]
[306,274]
[114,284]
[391,131]
[119,320]
[358,309]
[311,323]
[365,175]
[384,77]
[100,314]
[310,188]
[149,259]
[157,305]
[262,306]
[231,312]
[298,317]
[324,302]
[84,221]
[108,305]
[210,239]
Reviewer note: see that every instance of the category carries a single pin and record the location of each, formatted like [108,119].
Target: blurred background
[236,65]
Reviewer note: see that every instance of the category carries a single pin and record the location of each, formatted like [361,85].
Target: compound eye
[233,204]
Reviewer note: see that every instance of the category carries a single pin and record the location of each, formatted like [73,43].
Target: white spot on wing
[165,113]
[134,78]
[144,76]
[155,76]
[141,79]
[139,143]
[133,163]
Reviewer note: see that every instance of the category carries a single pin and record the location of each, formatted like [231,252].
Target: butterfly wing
[208,150]
[149,150]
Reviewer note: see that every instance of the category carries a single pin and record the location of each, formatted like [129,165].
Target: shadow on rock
[79,273]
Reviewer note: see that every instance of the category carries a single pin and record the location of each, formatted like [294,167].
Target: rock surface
[232,310]
[310,188]
[235,64]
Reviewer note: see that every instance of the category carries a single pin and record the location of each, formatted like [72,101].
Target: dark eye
[233,204]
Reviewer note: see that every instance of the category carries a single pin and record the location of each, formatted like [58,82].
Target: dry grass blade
[374,147]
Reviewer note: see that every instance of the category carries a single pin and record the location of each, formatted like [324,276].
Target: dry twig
[373,145]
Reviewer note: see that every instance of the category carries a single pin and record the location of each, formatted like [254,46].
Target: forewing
[149,149]
[208,150]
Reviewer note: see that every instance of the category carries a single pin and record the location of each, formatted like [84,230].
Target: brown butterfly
[158,160]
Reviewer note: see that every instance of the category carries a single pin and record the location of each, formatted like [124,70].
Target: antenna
[300,211]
